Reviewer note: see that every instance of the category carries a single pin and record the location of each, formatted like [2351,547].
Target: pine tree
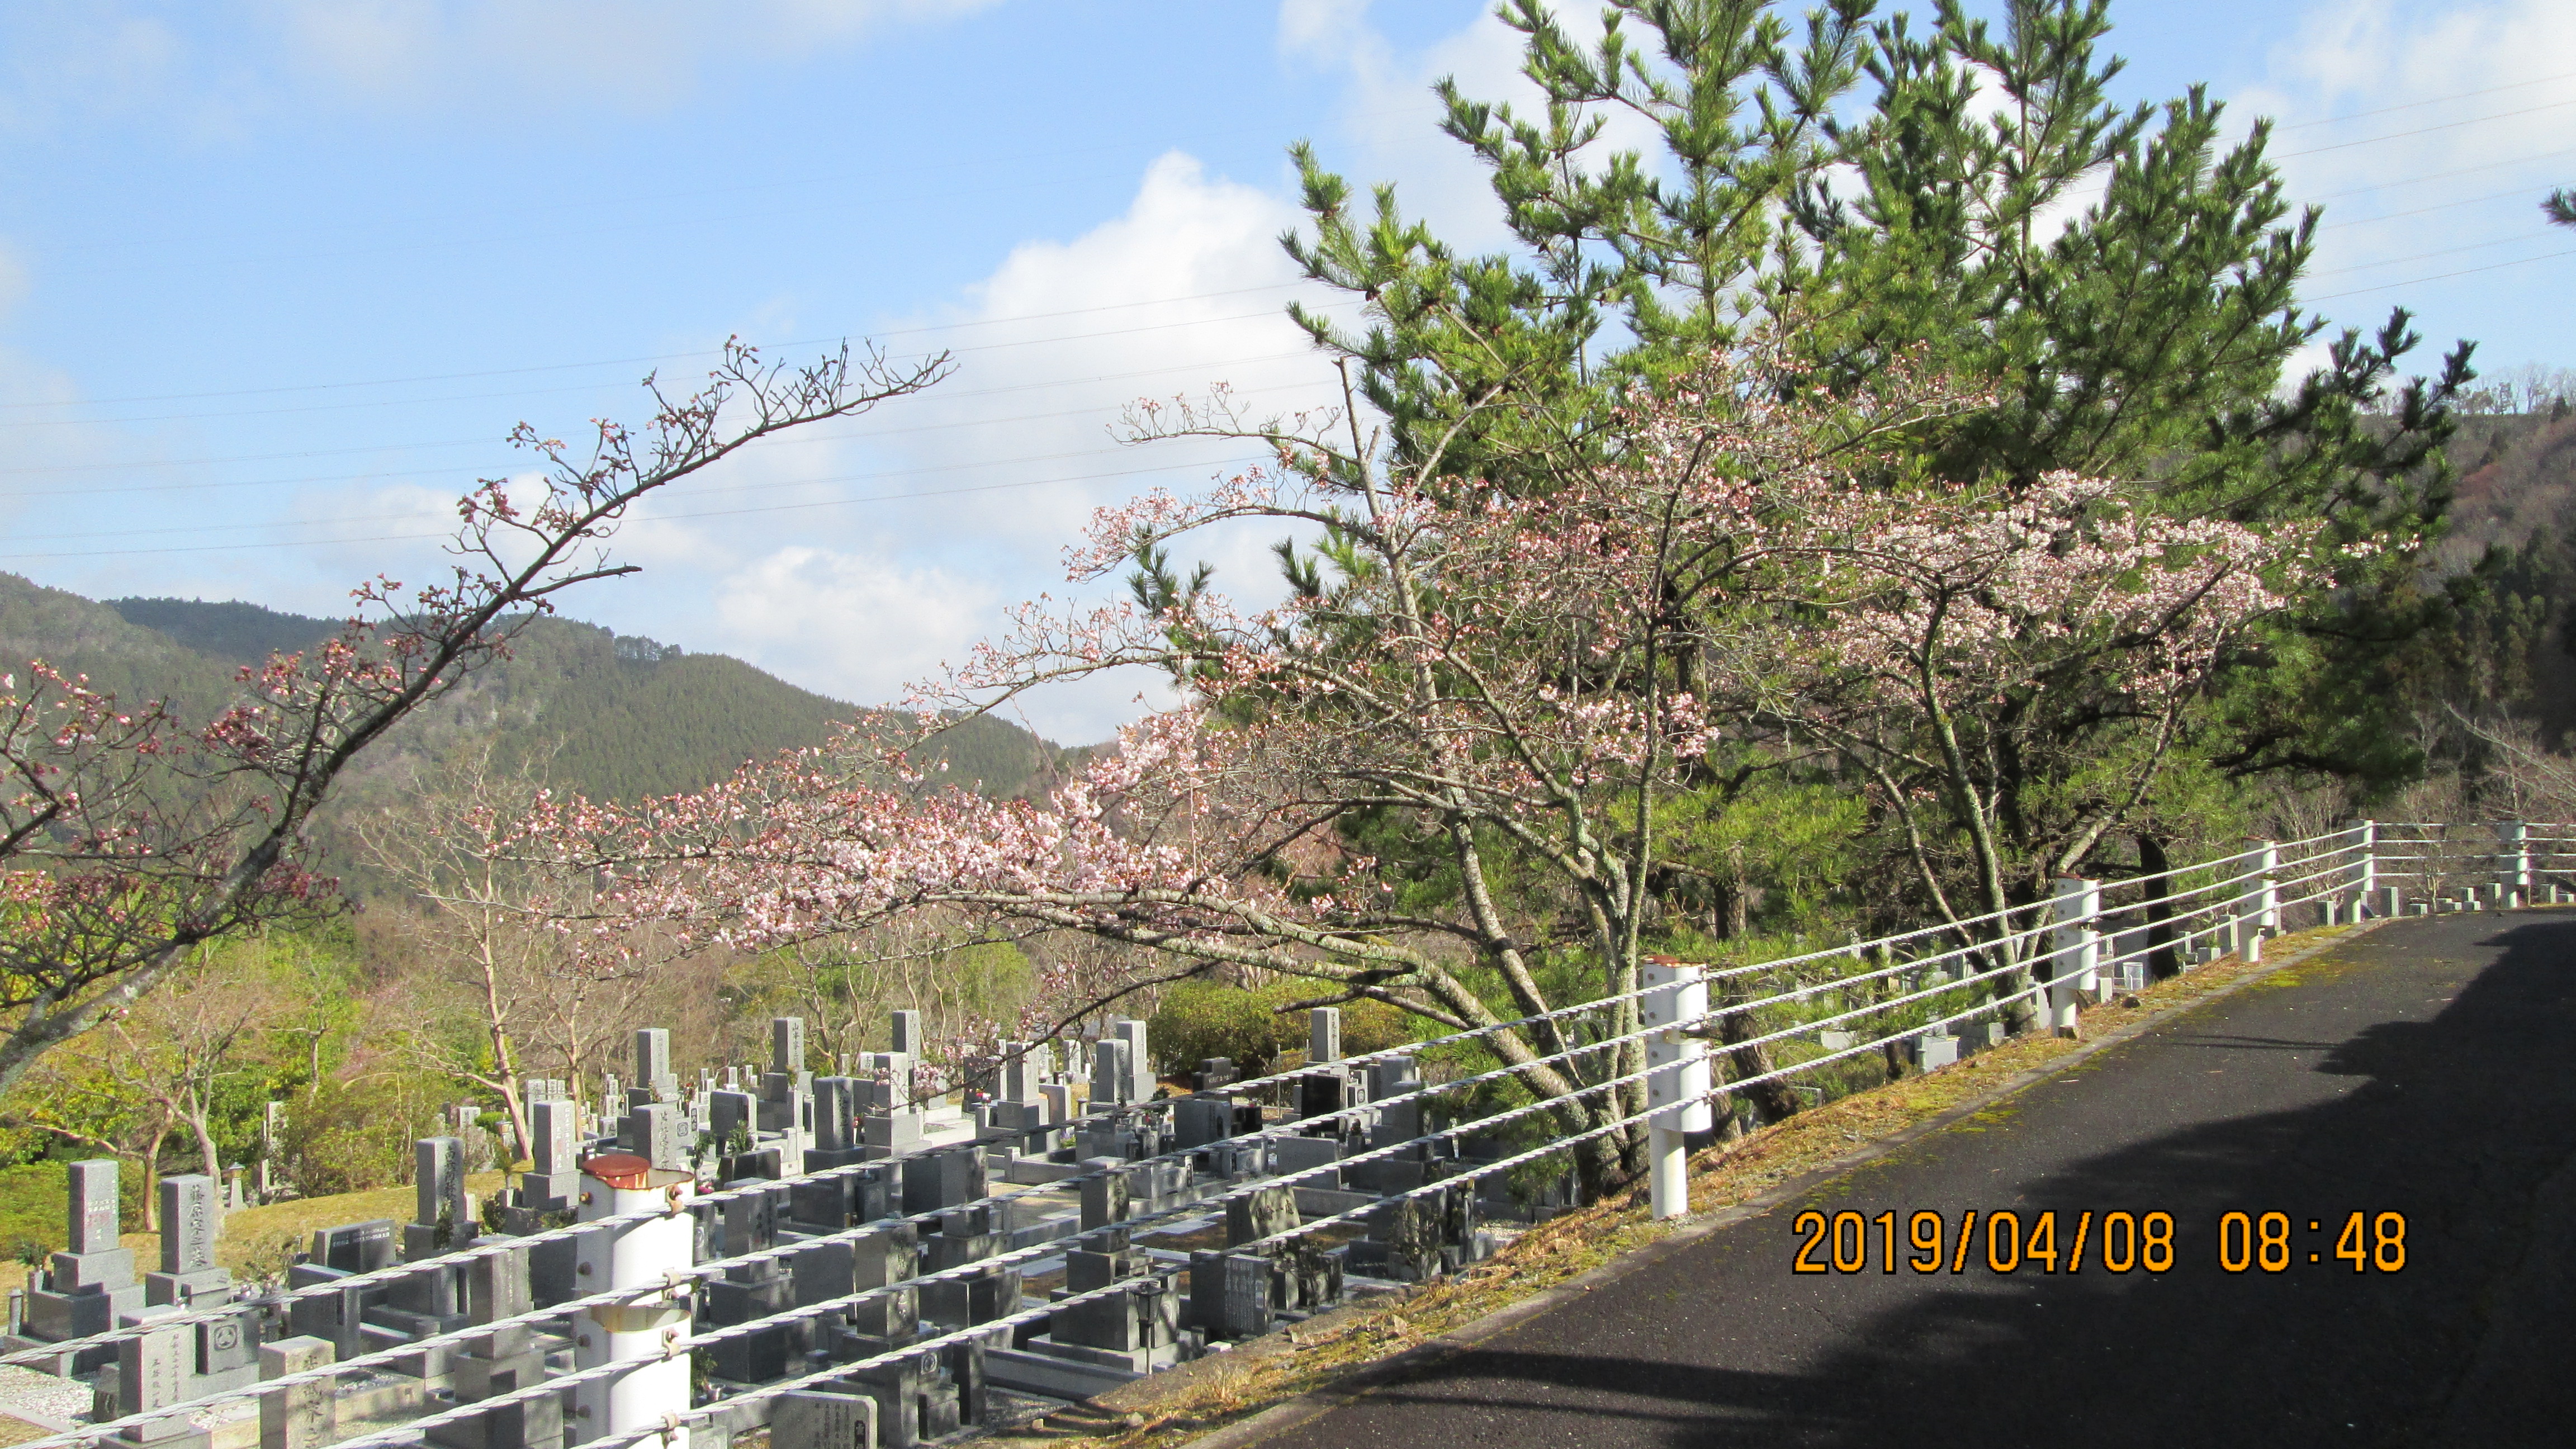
[2122,283]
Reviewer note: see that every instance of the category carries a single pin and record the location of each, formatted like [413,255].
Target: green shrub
[33,1196]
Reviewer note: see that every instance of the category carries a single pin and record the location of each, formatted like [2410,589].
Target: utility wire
[801,438]
[638,519]
[646,357]
[2502,241]
[980,347]
[2424,130]
[2441,277]
[2419,105]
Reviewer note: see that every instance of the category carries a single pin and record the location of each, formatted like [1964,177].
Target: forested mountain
[2511,647]
[611,717]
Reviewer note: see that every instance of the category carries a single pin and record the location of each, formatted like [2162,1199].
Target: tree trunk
[2162,964]
[201,1124]
[152,1179]
[1772,1099]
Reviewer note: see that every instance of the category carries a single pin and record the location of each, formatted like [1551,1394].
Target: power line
[658,518]
[916,331]
[647,357]
[980,347]
[2520,191]
[2440,277]
[2444,175]
[806,438]
[2502,241]
[2418,105]
[723,490]
[2424,130]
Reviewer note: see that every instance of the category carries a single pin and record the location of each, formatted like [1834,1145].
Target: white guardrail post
[652,1257]
[2365,867]
[1677,1092]
[2270,888]
[2075,959]
[2514,861]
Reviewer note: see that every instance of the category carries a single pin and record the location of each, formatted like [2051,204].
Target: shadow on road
[2462,1117]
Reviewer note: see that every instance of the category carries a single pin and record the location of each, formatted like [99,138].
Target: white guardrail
[648,1243]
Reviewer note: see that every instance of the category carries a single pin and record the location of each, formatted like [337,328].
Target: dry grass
[1168,1410]
[259,1242]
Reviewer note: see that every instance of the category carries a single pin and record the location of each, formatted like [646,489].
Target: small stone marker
[151,1370]
[811,1419]
[298,1416]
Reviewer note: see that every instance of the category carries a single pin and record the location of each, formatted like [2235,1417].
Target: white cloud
[872,623]
[2396,119]
[914,528]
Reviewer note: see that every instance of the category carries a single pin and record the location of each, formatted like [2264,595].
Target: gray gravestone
[1112,1080]
[1104,1192]
[152,1370]
[188,1223]
[729,1113]
[833,1103]
[1296,1154]
[93,1207]
[1324,1034]
[657,1136]
[787,1045]
[438,1181]
[906,1033]
[1262,1213]
[1139,1062]
[298,1416]
[812,1419]
[355,1247]
[552,1182]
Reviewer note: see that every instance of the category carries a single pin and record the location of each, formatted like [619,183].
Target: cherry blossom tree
[1503,683]
[2010,669]
[128,836]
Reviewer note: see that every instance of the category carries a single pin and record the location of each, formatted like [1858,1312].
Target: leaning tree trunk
[2162,964]
[1771,1098]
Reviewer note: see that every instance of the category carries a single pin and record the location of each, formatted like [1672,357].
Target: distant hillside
[613,718]
[2516,492]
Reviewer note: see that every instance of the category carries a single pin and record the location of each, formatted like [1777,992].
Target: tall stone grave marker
[189,1221]
[90,1284]
[654,1079]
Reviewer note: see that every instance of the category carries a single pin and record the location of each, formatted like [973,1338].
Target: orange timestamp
[2048,1241]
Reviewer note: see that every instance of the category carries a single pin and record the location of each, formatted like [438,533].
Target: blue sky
[276,276]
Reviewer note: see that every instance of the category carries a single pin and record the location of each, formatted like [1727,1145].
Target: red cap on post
[621,1170]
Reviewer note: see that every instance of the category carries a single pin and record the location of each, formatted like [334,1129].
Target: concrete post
[1677,1091]
[2076,958]
[646,1330]
[2392,902]
[2513,865]
[2268,889]
[2365,866]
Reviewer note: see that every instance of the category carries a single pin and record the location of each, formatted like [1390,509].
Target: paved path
[2428,1069]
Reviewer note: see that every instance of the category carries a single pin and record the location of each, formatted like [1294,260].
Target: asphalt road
[2428,1069]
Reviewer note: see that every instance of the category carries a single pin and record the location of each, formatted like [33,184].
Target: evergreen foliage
[1908,194]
